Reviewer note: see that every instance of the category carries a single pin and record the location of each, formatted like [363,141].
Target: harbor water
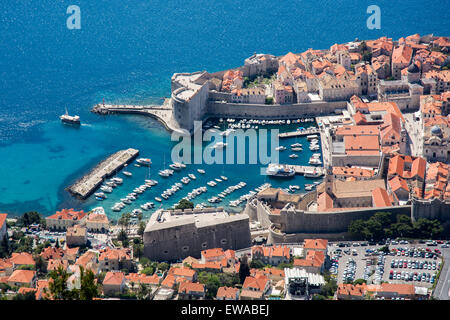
[126,52]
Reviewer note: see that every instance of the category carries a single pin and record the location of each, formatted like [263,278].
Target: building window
[223,241]
[185,248]
[204,244]
[166,252]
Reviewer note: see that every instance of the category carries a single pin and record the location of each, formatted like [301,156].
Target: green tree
[25,296]
[141,229]
[163,266]
[122,235]
[29,218]
[142,292]
[58,287]
[88,288]
[269,100]
[359,281]
[257,264]
[184,204]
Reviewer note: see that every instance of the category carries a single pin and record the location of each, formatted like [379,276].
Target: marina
[88,183]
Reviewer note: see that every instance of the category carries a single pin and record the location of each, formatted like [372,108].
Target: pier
[303,169]
[299,133]
[162,113]
[88,183]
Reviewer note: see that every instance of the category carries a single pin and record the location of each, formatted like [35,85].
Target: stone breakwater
[162,113]
[108,167]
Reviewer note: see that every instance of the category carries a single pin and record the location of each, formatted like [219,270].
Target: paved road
[443,285]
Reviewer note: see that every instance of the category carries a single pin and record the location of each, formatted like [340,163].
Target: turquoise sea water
[126,52]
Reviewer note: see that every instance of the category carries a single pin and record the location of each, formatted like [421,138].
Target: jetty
[162,113]
[303,169]
[299,133]
[108,167]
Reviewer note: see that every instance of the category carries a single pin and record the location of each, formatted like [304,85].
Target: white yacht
[293,156]
[128,174]
[192,176]
[280,148]
[144,161]
[201,171]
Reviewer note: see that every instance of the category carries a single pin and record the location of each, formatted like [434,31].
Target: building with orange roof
[6,268]
[273,255]
[169,281]
[259,283]
[314,262]
[140,278]
[212,255]
[114,283]
[55,264]
[442,79]
[227,293]
[215,266]
[381,46]
[183,272]
[401,58]
[23,278]
[97,222]
[64,219]
[316,245]
[343,173]
[3,230]
[22,259]
[380,198]
[410,169]
[115,259]
[89,260]
[191,291]
[351,291]
[71,254]
[399,187]
[52,253]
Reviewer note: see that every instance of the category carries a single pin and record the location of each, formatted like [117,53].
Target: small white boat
[280,148]
[297,149]
[218,180]
[144,161]
[128,174]
[224,178]
[220,145]
[192,176]
[296,145]
[201,171]
[293,156]
[158,199]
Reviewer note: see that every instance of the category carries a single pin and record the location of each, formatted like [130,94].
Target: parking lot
[415,264]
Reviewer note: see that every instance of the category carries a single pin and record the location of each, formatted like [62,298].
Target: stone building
[176,234]
[76,236]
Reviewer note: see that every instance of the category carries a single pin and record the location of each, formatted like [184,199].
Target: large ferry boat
[280,171]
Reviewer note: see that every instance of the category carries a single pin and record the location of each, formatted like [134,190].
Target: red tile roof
[22,276]
[315,244]
[191,287]
[380,198]
[22,258]
[257,283]
[227,293]
[68,214]
[114,278]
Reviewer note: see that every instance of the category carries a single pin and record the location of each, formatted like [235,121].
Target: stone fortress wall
[188,236]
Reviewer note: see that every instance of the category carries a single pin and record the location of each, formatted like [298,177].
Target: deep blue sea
[126,52]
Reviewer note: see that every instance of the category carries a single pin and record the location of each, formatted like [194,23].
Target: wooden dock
[91,181]
[299,133]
